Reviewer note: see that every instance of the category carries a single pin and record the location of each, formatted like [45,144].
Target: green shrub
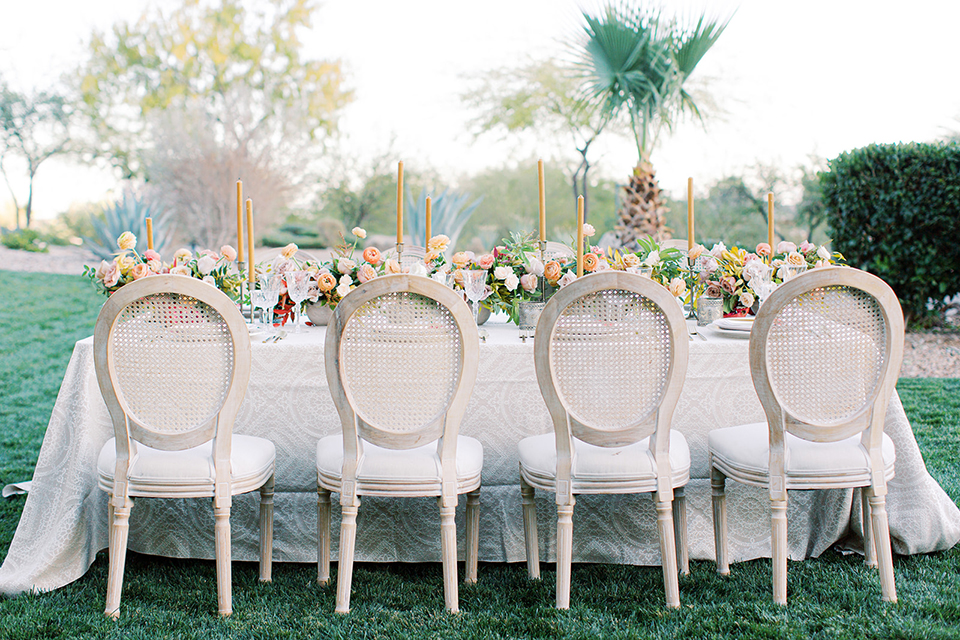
[25,239]
[321,234]
[895,212]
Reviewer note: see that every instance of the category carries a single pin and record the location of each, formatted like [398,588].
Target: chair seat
[189,473]
[629,469]
[743,453]
[399,472]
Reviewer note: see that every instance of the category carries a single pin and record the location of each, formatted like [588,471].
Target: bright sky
[791,78]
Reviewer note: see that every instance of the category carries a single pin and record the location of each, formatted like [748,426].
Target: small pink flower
[529,282]
[111,275]
[806,246]
[150,254]
[763,249]
[786,247]
[486,261]
[228,252]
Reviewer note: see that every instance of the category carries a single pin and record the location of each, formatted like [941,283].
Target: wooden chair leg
[527,494]
[323,536]
[348,539]
[668,552]
[717,482]
[473,536]
[266,531]
[778,526]
[564,552]
[881,533]
[221,516]
[869,545]
[119,530]
[448,550]
[680,530]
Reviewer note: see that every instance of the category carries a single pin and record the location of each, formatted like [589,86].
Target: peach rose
[228,252]
[289,251]
[747,299]
[677,287]
[630,260]
[590,262]
[372,255]
[181,270]
[438,243]
[460,259]
[552,271]
[485,261]
[763,249]
[359,232]
[392,266]
[366,273]
[796,259]
[529,282]
[588,230]
[430,256]
[139,271]
[182,255]
[127,241]
[695,251]
[326,282]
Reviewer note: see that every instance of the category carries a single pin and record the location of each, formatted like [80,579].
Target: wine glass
[266,298]
[475,286]
[298,287]
[762,283]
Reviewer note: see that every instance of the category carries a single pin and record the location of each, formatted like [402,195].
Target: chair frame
[868,422]
[671,526]
[443,432]
[220,429]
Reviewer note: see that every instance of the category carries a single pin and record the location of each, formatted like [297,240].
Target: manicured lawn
[830,597]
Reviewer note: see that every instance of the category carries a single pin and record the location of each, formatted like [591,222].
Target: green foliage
[25,240]
[893,209]
[322,234]
[129,213]
[449,213]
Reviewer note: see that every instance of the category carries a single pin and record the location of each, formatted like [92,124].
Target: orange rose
[590,262]
[551,271]
[372,255]
[326,282]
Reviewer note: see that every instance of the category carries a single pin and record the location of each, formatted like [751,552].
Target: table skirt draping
[64,520]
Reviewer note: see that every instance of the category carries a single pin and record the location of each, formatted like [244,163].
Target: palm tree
[635,63]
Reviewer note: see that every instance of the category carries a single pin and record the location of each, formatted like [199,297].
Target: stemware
[762,283]
[271,286]
[298,287]
[475,285]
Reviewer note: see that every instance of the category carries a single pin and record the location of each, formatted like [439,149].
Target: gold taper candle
[251,277]
[689,214]
[150,234]
[579,236]
[400,202]
[543,202]
[239,221]
[770,220]
[426,244]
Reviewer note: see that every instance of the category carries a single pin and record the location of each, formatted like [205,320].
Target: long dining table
[64,521]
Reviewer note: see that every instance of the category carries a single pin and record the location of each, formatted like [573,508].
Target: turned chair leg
[778,531]
[668,552]
[564,552]
[221,516]
[869,545]
[119,530]
[448,550]
[348,539]
[266,531]
[323,536]
[717,482]
[473,537]
[881,533]
[530,529]
[680,530]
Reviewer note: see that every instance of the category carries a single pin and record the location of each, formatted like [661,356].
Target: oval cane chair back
[176,360]
[407,352]
[825,352]
[614,359]
[556,250]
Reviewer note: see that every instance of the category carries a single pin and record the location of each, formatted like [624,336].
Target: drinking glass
[266,297]
[762,283]
[298,287]
[475,285]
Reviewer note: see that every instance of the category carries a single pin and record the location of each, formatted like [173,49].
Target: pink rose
[139,271]
[786,247]
[567,278]
[529,282]
[228,252]
[486,261]
[150,254]
[111,275]
[763,249]
[728,284]
[713,290]
[806,246]
[366,273]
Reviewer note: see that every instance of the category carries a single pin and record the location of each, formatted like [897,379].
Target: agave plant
[129,213]
[449,214]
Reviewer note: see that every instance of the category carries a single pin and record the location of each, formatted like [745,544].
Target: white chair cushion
[189,473]
[743,453]
[385,471]
[629,469]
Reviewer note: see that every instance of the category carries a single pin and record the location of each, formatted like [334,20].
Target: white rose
[535,266]
[501,273]
[346,281]
[823,253]
[345,265]
[210,280]
[718,249]
[653,259]
[588,229]
[343,290]
[677,287]
[512,281]
[418,269]
[360,233]
[567,278]
[206,264]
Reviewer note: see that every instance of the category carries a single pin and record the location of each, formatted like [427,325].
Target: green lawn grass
[832,596]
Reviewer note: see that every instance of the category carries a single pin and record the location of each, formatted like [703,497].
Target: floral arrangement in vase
[216,269]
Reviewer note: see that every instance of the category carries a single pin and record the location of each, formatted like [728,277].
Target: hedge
[895,212]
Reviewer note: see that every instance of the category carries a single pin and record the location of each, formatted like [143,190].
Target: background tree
[636,63]
[232,75]
[33,128]
[543,96]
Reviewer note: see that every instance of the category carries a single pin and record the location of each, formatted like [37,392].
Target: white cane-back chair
[401,358]
[611,355]
[172,357]
[825,354]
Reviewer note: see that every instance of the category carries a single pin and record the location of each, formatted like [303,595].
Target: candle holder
[400,255]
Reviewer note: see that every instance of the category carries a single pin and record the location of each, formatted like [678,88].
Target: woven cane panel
[611,354]
[173,357]
[825,354]
[401,359]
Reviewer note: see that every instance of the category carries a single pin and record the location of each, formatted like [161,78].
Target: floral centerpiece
[216,269]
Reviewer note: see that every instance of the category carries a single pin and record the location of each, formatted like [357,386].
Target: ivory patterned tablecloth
[64,522]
